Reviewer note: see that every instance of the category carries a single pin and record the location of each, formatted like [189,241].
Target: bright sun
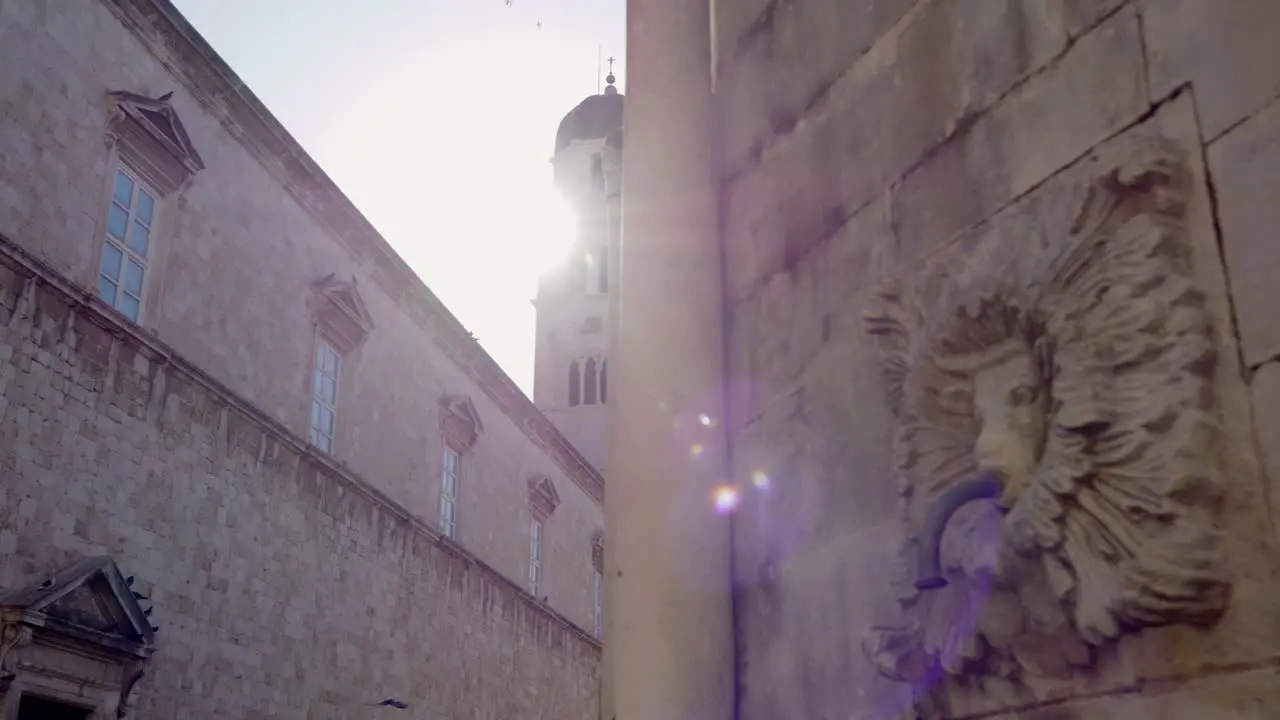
[463,190]
[550,230]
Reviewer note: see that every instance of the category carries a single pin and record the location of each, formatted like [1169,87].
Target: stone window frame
[77,637]
[145,139]
[536,546]
[340,325]
[450,482]
[124,247]
[460,430]
[543,501]
[326,381]
[588,382]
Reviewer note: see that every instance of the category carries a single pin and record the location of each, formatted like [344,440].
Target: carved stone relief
[78,635]
[1075,376]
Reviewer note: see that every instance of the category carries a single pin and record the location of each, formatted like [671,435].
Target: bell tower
[571,363]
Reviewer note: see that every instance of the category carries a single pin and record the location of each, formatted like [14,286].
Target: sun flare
[551,227]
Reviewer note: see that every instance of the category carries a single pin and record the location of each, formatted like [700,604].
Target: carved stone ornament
[83,613]
[152,136]
[1078,372]
[340,313]
[543,497]
[460,421]
[12,637]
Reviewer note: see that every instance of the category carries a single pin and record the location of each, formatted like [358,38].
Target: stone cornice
[89,309]
[190,59]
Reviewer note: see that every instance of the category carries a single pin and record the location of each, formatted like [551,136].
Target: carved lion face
[1084,375]
[1010,404]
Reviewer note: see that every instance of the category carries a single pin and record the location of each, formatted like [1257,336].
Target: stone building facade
[223,386]
[1015,250]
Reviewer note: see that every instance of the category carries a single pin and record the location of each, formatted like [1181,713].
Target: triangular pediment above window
[89,601]
[340,312]
[460,420]
[153,137]
[543,497]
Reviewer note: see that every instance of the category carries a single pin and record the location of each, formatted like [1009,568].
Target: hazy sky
[437,118]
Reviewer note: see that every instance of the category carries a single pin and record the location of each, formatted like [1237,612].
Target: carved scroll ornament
[1079,371]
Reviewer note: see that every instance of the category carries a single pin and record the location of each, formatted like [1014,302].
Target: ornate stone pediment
[543,497]
[340,312]
[154,138]
[460,421]
[1076,375]
[90,599]
[89,610]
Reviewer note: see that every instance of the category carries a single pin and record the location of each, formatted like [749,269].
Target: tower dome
[598,116]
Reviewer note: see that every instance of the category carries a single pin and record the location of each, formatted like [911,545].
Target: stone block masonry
[234,267]
[283,586]
[895,144]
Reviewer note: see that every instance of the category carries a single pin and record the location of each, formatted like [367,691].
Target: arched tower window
[604,384]
[575,384]
[589,382]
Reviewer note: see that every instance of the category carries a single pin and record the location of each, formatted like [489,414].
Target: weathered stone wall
[891,140]
[282,585]
[237,251]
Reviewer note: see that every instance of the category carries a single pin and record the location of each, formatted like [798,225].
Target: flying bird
[392,702]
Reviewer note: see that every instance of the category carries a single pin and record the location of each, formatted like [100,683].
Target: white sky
[437,118]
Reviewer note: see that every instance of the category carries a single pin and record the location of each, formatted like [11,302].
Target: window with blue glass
[324,396]
[131,215]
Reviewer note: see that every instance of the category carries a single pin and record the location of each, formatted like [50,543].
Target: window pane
[326,359]
[447,515]
[326,420]
[133,278]
[328,389]
[146,207]
[111,261]
[107,290]
[117,219]
[124,189]
[129,306]
[139,238]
